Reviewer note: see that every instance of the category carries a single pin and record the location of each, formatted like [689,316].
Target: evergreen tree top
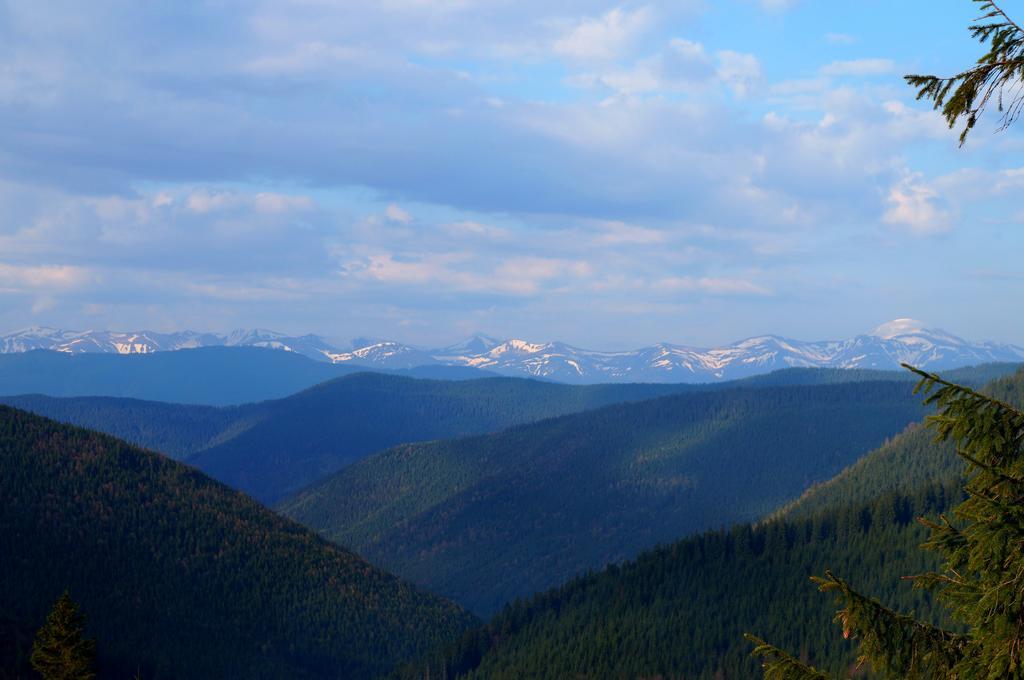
[61,651]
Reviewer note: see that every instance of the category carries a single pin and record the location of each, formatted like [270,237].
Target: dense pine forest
[175,430]
[681,611]
[485,520]
[908,461]
[672,614]
[180,577]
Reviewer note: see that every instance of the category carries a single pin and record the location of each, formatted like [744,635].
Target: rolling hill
[181,577]
[484,520]
[272,448]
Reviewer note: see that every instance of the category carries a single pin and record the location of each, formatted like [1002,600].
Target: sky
[605,174]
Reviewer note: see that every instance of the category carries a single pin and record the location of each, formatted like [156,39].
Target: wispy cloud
[840,39]
[859,67]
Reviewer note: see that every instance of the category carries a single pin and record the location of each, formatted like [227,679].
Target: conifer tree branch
[998,73]
[1006,17]
[780,665]
[896,645]
[929,380]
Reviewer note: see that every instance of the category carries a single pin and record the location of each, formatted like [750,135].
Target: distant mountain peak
[898,341]
[477,343]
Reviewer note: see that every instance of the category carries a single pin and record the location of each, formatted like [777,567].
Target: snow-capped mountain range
[899,341]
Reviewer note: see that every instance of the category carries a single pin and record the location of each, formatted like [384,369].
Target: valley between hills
[500,516]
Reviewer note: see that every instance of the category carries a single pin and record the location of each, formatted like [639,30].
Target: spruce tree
[998,74]
[982,580]
[60,650]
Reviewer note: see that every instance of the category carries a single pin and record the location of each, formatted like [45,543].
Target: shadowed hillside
[183,578]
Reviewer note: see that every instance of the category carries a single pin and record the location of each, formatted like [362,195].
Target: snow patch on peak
[892,343]
[518,346]
[898,327]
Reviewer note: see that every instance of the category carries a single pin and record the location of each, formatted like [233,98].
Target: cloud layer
[605,174]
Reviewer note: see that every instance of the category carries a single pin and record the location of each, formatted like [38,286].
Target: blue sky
[606,174]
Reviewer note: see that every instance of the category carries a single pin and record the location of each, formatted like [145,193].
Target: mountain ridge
[885,347]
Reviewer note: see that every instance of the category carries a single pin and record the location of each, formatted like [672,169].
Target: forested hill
[907,461]
[181,577]
[310,435]
[681,611]
[487,519]
[273,447]
[175,430]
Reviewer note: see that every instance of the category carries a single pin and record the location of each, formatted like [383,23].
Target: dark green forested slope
[487,519]
[906,462]
[176,430]
[316,432]
[183,578]
[681,611]
[274,447]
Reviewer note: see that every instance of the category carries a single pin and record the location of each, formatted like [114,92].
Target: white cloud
[15,277]
[740,71]
[606,37]
[204,201]
[271,202]
[682,64]
[916,206]
[533,269]
[463,272]
[622,233]
[464,228]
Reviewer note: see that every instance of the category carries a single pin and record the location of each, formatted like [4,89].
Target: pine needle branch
[896,645]
[998,73]
[780,665]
